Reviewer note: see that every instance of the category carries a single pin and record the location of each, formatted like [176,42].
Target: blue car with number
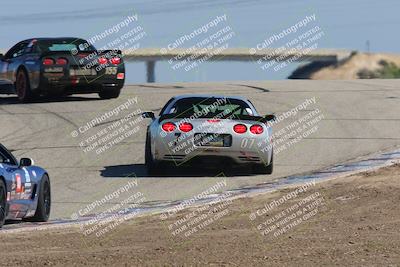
[24,189]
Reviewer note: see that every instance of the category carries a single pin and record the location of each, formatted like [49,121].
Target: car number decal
[19,187]
[111,70]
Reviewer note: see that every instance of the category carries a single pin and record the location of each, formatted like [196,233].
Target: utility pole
[367,43]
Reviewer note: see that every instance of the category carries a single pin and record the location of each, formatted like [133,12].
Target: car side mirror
[1,57]
[270,117]
[26,162]
[148,115]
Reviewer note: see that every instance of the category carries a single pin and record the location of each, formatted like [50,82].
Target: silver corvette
[212,130]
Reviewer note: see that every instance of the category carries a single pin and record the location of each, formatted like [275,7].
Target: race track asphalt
[359,118]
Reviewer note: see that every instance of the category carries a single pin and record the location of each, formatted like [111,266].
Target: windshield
[6,157]
[66,45]
[201,107]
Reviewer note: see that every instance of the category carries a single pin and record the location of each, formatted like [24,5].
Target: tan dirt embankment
[350,69]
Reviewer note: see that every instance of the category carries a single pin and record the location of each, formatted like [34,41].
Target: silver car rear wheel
[264,169]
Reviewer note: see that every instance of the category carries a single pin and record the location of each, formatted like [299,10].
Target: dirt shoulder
[351,221]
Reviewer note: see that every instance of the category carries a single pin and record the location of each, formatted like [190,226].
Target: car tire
[109,94]
[264,169]
[154,167]
[44,202]
[3,202]
[22,86]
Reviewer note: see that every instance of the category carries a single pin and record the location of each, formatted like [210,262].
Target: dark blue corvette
[24,189]
[60,66]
